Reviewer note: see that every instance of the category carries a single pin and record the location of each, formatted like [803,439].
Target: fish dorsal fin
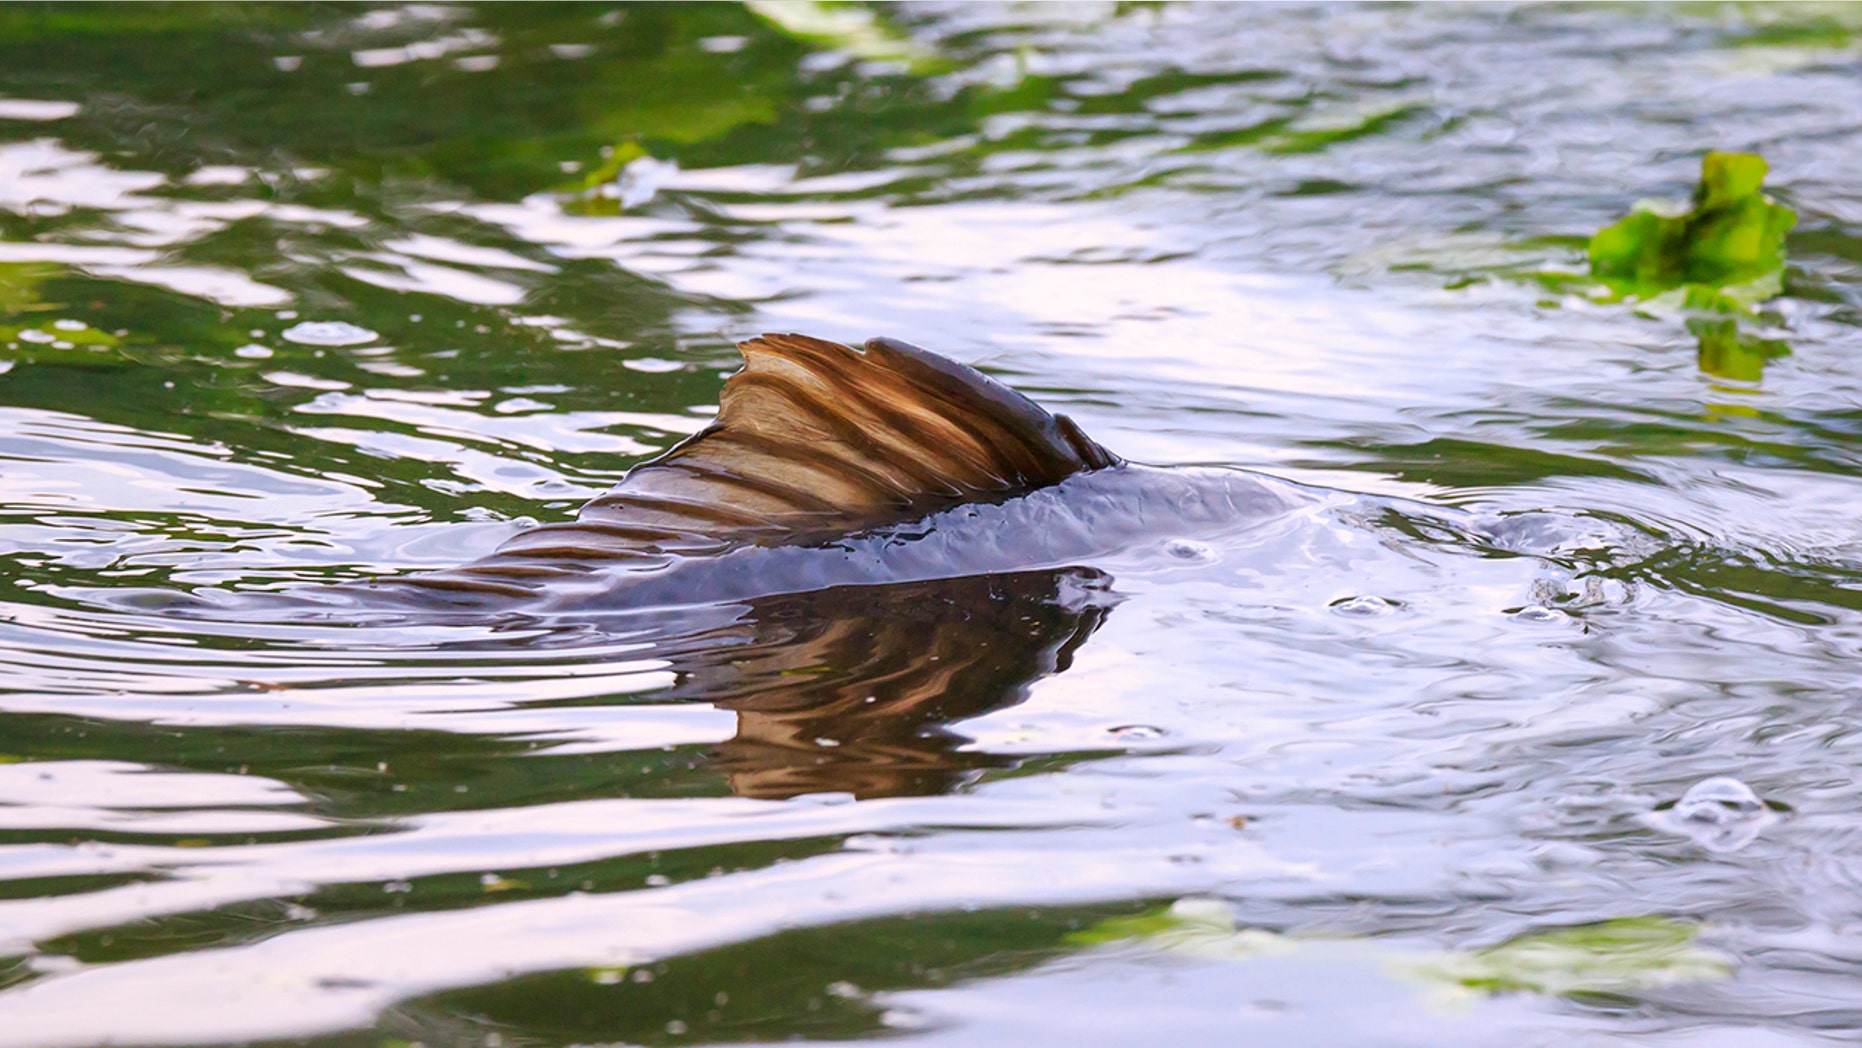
[814,439]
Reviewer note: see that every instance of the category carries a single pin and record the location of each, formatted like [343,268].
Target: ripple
[1364,607]
[1190,550]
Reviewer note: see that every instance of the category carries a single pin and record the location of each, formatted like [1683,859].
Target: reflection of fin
[813,439]
[848,690]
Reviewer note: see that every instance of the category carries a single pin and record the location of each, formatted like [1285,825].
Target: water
[1590,778]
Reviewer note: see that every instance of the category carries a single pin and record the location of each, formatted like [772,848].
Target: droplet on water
[329,333]
[1135,732]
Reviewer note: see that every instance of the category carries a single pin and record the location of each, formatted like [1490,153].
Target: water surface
[298,295]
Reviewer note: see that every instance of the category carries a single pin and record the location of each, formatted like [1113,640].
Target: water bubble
[329,333]
[1363,606]
[69,325]
[1135,732]
[1539,613]
[252,352]
[1718,801]
[35,335]
[1720,814]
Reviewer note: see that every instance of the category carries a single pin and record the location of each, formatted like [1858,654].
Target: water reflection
[1727,351]
[850,690]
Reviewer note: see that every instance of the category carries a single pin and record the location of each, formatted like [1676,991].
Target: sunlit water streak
[1282,239]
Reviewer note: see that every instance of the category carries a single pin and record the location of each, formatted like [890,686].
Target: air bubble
[1718,801]
[1719,814]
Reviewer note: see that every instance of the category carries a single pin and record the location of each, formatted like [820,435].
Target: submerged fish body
[1077,522]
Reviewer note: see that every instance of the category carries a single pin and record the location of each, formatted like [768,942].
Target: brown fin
[814,439]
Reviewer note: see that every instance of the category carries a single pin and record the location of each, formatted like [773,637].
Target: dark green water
[1396,786]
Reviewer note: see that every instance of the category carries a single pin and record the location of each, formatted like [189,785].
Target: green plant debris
[611,167]
[605,190]
[1725,251]
[19,286]
[1619,956]
[1821,26]
[1203,928]
[1631,953]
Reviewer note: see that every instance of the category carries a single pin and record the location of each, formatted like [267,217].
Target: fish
[830,465]
[866,544]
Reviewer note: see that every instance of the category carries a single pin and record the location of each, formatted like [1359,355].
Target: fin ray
[814,439]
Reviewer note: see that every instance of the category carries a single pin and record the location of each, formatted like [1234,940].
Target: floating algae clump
[1619,956]
[1725,251]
